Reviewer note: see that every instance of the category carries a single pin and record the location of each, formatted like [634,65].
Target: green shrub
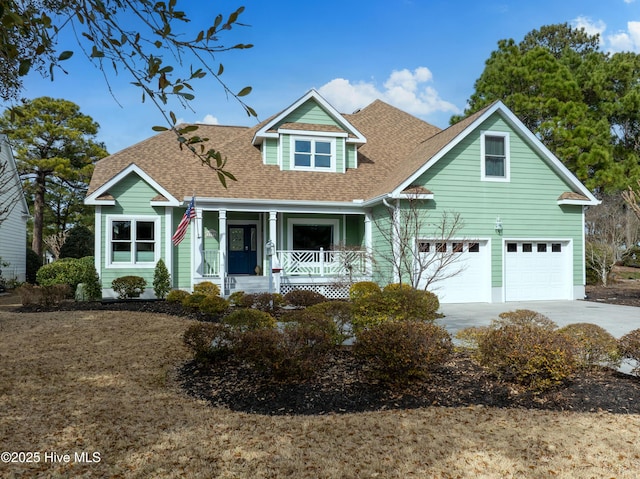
[91,280]
[340,313]
[177,296]
[161,280]
[246,319]
[129,286]
[213,305]
[209,341]
[534,356]
[362,289]
[207,288]
[69,271]
[630,348]
[303,298]
[593,345]
[236,298]
[398,352]
[295,352]
[395,302]
[192,301]
[33,265]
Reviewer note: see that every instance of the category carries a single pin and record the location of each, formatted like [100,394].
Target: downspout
[394,238]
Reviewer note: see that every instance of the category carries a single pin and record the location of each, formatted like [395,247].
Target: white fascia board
[92,199]
[286,206]
[579,202]
[333,134]
[311,94]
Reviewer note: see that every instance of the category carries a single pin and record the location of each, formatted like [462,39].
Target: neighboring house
[318,185]
[14,214]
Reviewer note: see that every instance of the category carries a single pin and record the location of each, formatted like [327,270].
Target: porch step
[248,284]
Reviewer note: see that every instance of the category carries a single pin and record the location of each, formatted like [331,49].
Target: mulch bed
[342,386]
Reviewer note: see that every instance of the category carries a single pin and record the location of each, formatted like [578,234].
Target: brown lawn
[74,382]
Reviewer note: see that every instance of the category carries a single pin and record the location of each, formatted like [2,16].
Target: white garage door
[467,279]
[537,270]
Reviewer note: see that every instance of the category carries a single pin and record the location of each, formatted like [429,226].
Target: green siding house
[479,212]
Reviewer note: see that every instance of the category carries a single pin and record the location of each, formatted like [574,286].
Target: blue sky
[421,56]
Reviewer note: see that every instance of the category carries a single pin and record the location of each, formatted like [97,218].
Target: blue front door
[242,248]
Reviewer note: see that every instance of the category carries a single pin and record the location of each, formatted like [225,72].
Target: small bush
[236,298]
[161,280]
[470,337]
[316,320]
[129,286]
[213,305]
[340,313]
[593,345]
[303,298]
[44,295]
[525,317]
[630,348]
[249,319]
[295,352]
[207,288]
[268,302]
[209,341]
[363,289]
[177,296]
[398,352]
[395,302]
[192,301]
[534,356]
[69,271]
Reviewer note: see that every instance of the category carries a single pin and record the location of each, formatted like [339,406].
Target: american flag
[181,231]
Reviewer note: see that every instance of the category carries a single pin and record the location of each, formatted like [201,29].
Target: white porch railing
[323,263]
[210,263]
[302,262]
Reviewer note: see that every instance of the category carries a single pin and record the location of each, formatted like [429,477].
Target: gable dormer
[310,135]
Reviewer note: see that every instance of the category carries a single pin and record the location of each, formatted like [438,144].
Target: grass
[104,381]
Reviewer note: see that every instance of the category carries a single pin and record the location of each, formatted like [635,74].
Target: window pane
[556,248]
[236,239]
[494,166]
[494,145]
[424,247]
[121,230]
[323,147]
[120,252]
[312,237]
[441,247]
[121,246]
[145,230]
[542,247]
[302,160]
[474,247]
[512,247]
[145,253]
[527,247]
[303,146]
[145,246]
[323,161]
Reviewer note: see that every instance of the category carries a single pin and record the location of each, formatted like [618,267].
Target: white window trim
[507,159]
[132,265]
[312,221]
[312,139]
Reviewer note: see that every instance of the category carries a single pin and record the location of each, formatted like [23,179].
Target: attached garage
[467,278]
[537,270]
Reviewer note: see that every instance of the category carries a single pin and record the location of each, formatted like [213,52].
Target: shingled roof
[392,135]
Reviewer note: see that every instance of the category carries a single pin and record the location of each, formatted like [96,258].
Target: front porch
[321,252]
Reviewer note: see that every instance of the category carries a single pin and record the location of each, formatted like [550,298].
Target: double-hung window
[133,241]
[313,154]
[495,156]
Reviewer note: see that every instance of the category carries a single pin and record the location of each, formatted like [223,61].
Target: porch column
[196,233]
[273,221]
[222,245]
[368,240]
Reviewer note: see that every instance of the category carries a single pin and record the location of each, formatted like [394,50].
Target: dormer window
[495,156]
[313,153]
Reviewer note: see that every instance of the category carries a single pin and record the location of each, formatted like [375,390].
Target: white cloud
[405,89]
[628,40]
[209,120]
[590,26]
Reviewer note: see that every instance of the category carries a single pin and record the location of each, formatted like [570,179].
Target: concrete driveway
[618,320]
